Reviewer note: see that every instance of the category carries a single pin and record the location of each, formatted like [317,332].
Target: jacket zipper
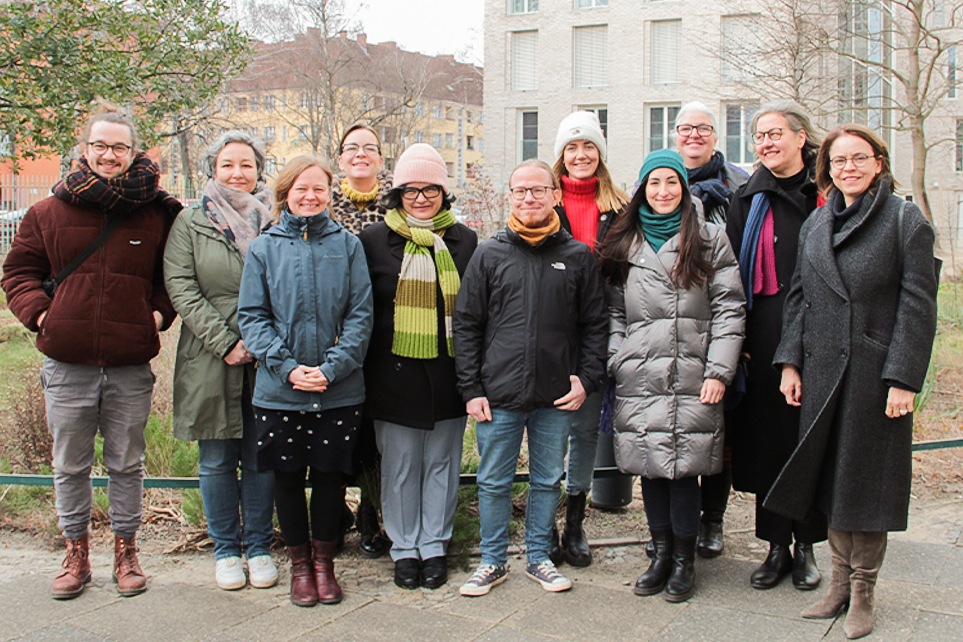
[100,292]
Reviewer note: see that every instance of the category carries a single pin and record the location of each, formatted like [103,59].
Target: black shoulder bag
[50,285]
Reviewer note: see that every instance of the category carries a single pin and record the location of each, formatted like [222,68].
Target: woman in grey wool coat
[860,319]
[676,327]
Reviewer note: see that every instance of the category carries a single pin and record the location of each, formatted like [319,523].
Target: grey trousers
[82,401]
[419,485]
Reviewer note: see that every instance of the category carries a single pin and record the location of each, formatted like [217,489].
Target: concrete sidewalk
[920,598]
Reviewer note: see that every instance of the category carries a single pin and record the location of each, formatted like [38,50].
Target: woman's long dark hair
[692,268]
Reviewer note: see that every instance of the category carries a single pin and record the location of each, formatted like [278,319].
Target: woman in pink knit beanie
[416,257]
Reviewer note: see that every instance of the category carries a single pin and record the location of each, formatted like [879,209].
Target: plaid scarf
[139,186]
[416,312]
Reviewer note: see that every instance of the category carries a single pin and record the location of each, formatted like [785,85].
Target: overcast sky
[428,26]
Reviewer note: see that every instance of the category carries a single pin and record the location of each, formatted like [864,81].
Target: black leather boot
[777,565]
[654,579]
[805,575]
[711,541]
[650,549]
[555,548]
[681,583]
[373,543]
[575,546]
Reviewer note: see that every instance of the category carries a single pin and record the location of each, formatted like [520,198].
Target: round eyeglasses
[859,160]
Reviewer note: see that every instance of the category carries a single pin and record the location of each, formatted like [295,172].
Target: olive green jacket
[202,272]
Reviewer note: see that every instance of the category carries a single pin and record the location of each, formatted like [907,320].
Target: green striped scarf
[416,312]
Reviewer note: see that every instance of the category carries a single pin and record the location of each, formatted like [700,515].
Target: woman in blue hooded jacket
[305,313]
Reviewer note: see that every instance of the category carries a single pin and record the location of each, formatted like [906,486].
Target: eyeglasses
[859,160]
[538,192]
[701,130]
[429,192]
[119,149]
[774,134]
[351,149]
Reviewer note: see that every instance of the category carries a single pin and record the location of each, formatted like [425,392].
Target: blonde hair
[289,175]
[608,197]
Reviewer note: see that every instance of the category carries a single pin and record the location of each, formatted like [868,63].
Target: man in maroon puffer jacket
[99,332]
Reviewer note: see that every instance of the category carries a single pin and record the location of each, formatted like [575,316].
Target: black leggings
[327,498]
[673,504]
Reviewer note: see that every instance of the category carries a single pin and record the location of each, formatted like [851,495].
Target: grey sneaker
[548,576]
[483,579]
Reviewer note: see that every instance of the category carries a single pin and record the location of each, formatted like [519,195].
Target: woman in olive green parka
[214,372]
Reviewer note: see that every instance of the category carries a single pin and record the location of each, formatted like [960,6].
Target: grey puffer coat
[664,343]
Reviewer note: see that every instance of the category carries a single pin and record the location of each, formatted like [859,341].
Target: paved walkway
[920,597]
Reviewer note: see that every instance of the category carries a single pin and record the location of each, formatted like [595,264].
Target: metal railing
[465,480]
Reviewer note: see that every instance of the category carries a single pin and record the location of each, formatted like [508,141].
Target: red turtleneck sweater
[578,197]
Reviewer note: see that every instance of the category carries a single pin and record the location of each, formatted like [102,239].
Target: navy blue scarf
[750,242]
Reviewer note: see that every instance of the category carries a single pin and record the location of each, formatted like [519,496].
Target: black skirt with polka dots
[290,440]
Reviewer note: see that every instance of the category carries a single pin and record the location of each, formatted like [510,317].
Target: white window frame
[521,142]
[436,140]
[590,52]
[740,49]
[665,52]
[522,7]
[524,60]
[742,139]
[582,5]
[602,113]
[667,116]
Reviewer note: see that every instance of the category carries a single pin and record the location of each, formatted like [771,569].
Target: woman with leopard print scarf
[356,203]
[355,195]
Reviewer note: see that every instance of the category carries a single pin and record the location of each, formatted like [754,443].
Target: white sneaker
[229,573]
[263,572]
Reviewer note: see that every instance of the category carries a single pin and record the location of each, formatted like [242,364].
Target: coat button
[843,352]
[775,239]
[398,367]
[808,353]
[808,304]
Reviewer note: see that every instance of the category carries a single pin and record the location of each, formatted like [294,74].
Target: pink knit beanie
[420,163]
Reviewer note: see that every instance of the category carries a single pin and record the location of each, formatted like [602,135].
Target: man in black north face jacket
[530,332]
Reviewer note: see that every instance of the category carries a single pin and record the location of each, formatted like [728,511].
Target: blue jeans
[499,441]
[222,493]
[583,443]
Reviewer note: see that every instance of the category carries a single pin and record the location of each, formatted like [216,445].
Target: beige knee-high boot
[866,560]
[841,545]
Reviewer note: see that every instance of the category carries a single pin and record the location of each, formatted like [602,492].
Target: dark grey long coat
[860,316]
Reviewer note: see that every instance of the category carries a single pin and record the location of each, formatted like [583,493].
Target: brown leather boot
[127,572]
[304,590]
[869,549]
[841,544]
[75,573]
[327,584]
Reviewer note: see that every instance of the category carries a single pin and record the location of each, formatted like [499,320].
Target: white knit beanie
[580,125]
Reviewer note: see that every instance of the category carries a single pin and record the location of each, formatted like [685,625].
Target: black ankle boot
[776,566]
[681,583]
[654,579]
[554,548]
[805,575]
[575,546]
[711,542]
[373,544]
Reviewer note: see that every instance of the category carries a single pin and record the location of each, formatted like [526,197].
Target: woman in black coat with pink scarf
[763,226]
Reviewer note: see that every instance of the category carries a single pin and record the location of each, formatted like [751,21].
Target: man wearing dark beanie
[530,333]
